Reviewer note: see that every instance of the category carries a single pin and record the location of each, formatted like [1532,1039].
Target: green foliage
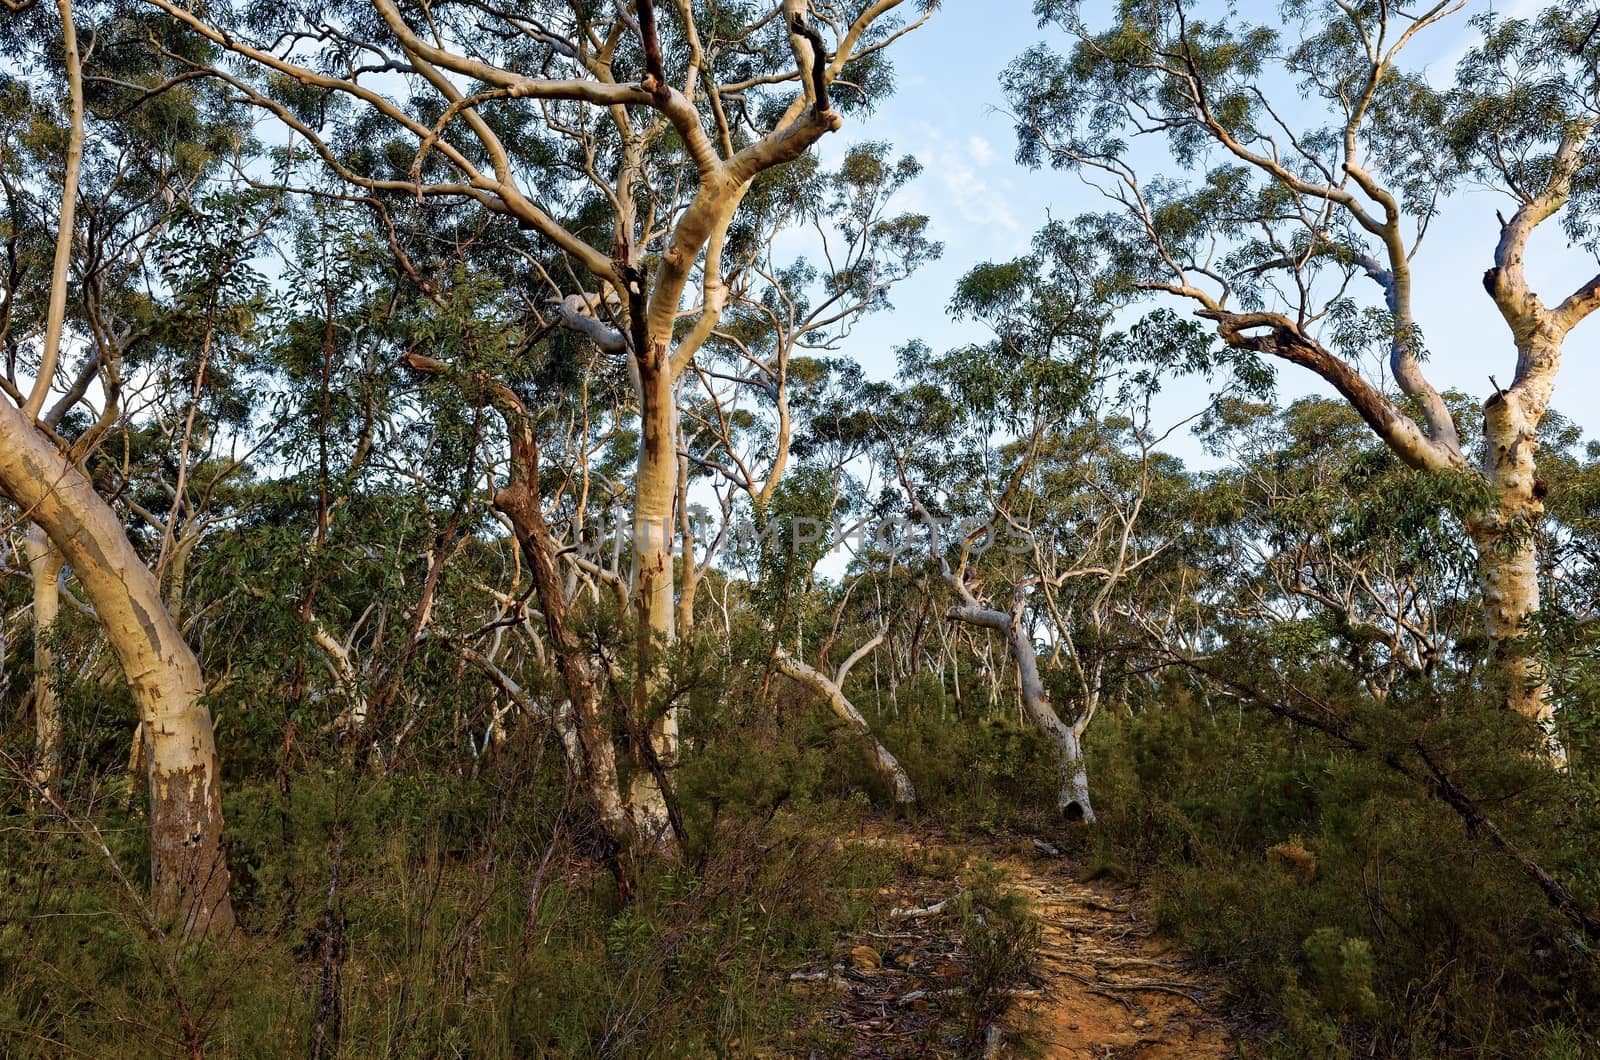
[1362,941]
[1342,970]
[1297,719]
[463,919]
[985,772]
[1000,936]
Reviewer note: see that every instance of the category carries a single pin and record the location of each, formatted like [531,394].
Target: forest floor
[1100,984]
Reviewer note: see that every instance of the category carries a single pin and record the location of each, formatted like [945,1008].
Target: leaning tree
[1309,166]
[1031,463]
[94,331]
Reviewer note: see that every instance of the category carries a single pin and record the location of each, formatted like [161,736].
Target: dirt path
[1100,987]
[1110,989]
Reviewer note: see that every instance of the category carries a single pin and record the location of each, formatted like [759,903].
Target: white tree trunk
[655,491]
[1508,562]
[1073,797]
[45,564]
[189,873]
[882,760]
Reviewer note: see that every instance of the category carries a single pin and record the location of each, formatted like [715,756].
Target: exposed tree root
[1100,987]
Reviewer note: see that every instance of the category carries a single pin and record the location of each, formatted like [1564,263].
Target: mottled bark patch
[189,873]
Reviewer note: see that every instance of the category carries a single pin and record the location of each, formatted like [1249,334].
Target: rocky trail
[1099,985]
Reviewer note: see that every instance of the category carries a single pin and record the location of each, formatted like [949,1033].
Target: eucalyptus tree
[1310,164]
[831,687]
[1019,459]
[554,464]
[627,141]
[1323,537]
[87,341]
[783,311]
[770,359]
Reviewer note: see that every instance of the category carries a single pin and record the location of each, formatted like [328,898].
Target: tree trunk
[689,569]
[596,755]
[655,490]
[885,763]
[1073,798]
[45,565]
[627,825]
[188,870]
[1508,566]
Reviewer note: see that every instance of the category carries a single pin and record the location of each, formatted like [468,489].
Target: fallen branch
[928,910]
[923,995]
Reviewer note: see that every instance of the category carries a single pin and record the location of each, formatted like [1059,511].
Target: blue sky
[984,207]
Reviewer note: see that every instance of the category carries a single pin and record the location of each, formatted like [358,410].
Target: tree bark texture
[188,869]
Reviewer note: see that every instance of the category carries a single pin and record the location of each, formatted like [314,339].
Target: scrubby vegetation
[467,592]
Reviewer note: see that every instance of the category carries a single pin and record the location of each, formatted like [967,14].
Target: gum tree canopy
[624,137]
[1310,165]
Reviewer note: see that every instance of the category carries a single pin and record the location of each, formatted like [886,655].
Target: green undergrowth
[1347,911]
[449,908]
[1352,913]
[425,915]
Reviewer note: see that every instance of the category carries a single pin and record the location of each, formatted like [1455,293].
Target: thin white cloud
[951,181]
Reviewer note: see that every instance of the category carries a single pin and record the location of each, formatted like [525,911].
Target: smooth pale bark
[560,716]
[353,718]
[189,873]
[45,564]
[1505,536]
[659,351]
[650,307]
[655,491]
[1073,797]
[56,311]
[784,439]
[659,361]
[832,689]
